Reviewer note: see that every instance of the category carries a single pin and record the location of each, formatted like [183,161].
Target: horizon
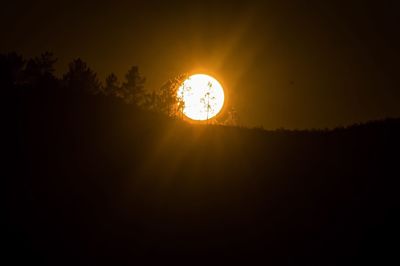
[286,64]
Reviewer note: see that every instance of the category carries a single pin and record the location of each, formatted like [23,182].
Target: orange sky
[291,64]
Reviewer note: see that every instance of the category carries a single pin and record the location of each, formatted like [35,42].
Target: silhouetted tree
[133,87]
[81,78]
[232,117]
[41,65]
[112,86]
[40,69]
[169,102]
[151,101]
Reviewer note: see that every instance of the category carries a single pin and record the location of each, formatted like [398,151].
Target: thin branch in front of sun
[205,100]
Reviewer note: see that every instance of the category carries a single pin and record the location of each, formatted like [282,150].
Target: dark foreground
[103,184]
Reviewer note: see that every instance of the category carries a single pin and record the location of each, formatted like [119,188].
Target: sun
[202,97]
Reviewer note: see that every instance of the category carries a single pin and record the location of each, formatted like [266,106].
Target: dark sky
[293,64]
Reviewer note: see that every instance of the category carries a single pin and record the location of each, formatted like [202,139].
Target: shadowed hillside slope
[97,182]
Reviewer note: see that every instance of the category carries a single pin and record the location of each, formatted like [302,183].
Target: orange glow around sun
[202,97]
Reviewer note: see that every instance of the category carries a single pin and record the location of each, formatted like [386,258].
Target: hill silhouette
[98,182]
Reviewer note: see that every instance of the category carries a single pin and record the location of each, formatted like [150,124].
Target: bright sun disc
[202,97]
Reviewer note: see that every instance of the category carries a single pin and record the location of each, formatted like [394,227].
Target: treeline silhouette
[95,181]
[36,75]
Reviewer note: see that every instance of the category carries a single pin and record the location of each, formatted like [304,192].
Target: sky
[291,64]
